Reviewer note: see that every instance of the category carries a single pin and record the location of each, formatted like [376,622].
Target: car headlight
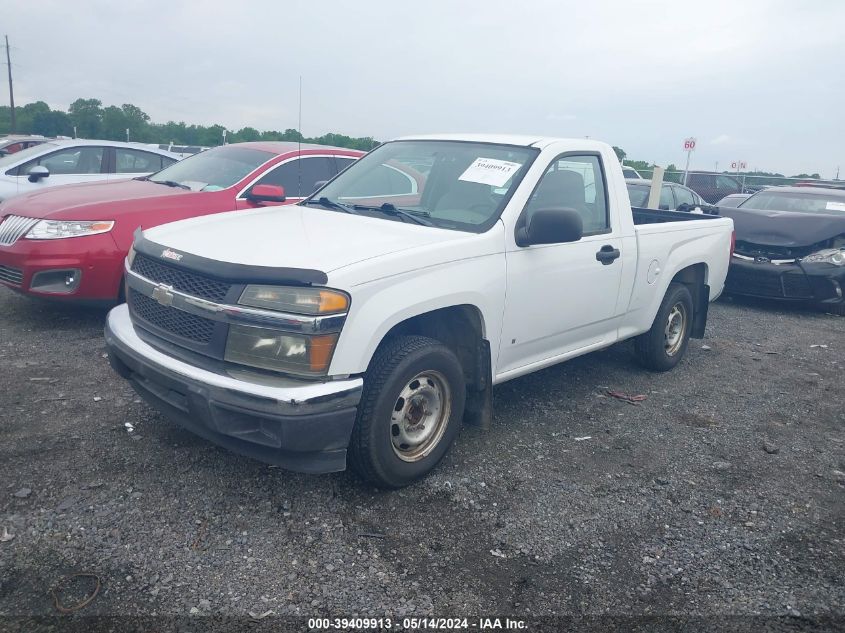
[59,229]
[280,351]
[305,300]
[833,256]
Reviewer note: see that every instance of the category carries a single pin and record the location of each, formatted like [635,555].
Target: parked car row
[69,242]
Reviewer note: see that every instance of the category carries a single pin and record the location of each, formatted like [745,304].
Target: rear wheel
[833,308]
[663,346]
[410,411]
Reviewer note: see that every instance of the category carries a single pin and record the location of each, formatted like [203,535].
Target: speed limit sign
[689,144]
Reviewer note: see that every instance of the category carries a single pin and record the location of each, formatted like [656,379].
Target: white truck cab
[365,323]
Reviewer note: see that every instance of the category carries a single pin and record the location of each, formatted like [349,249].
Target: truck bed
[657,216]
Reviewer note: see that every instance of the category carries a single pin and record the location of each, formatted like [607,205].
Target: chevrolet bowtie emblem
[163,294]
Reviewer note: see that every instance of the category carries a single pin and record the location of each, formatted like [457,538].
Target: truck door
[562,297]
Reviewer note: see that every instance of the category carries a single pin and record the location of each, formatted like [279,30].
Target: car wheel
[833,308]
[410,411]
[663,346]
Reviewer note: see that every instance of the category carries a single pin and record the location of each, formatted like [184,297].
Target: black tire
[833,308]
[652,348]
[395,365]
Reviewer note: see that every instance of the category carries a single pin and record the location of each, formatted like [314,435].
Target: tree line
[91,120]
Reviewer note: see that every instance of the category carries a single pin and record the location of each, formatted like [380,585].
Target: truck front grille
[15,227]
[175,322]
[190,283]
[11,275]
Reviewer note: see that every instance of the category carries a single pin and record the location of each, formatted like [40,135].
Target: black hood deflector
[784,228]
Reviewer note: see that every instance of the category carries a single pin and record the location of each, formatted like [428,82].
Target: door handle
[607,255]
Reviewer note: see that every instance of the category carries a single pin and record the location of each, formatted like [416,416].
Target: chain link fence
[713,186]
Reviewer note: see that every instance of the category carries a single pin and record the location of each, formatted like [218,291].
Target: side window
[683,195]
[307,170]
[73,160]
[342,163]
[133,161]
[666,199]
[574,182]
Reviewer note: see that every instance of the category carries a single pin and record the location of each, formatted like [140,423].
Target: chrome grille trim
[15,227]
[237,314]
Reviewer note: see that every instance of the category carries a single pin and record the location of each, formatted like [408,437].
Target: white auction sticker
[835,206]
[490,171]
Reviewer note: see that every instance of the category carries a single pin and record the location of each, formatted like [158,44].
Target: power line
[11,90]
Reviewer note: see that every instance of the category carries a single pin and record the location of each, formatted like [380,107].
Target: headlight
[833,256]
[58,229]
[280,351]
[303,300]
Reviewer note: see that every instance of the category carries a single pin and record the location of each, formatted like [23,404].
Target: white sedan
[63,162]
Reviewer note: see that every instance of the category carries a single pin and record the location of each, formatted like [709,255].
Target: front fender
[378,306]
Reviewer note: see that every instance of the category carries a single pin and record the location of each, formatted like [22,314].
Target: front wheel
[663,346]
[410,411]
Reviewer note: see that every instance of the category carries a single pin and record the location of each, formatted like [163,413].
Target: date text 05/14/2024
[416,624]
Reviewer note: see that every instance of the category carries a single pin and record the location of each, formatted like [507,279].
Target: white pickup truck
[367,322]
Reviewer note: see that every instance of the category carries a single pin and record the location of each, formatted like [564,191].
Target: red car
[69,242]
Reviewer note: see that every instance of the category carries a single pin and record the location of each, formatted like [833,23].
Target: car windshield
[21,156]
[638,195]
[798,202]
[213,169]
[448,184]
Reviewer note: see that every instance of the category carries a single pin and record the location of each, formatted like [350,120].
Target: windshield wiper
[418,217]
[331,204]
[171,183]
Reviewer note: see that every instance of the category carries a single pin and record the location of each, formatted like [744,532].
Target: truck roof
[506,139]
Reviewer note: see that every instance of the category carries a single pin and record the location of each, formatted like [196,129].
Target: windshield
[213,169]
[797,202]
[638,195]
[450,184]
[21,156]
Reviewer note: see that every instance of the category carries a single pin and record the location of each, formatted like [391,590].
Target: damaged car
[790,244]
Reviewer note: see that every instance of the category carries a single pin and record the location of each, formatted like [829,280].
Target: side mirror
[551,226]
[38,172]
[266,193]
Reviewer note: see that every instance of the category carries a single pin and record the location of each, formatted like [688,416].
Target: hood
[783,228]
[86,201]
[296,237]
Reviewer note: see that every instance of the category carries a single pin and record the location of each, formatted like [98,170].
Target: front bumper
[96,257]
[818,283]
[302,426]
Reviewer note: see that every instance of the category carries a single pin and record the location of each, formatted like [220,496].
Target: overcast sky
[760,81]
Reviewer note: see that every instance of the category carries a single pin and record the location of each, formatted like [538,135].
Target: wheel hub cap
[676,325]
[420,416]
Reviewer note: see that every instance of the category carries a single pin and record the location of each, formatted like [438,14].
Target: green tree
[86,115]
[52,123]
[620,153]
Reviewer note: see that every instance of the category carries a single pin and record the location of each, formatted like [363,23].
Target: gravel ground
[721,493]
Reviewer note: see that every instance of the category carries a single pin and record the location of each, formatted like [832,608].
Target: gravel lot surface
[723,492]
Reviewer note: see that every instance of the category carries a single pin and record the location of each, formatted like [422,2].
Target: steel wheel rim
[420,416]
[676,326]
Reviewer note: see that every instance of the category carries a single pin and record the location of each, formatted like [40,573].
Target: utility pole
[11,91]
